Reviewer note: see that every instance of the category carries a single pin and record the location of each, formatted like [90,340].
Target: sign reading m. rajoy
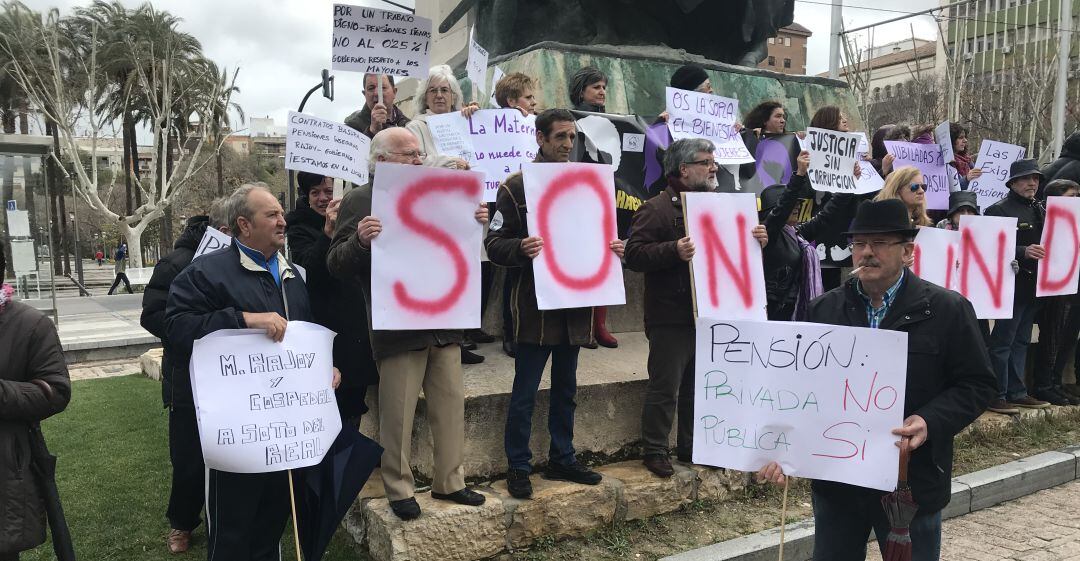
[380,41]
[820,400]
[327,148]
[264,406]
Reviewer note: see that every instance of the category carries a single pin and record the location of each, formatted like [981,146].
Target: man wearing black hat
[961,203]
[1011,337]
[949,383]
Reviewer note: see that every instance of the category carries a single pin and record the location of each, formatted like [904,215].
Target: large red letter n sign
[729,280]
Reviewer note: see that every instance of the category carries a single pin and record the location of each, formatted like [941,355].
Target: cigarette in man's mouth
[855,271]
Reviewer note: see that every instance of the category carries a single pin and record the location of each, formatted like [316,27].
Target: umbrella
[900,508]
[325,491]
[45,466]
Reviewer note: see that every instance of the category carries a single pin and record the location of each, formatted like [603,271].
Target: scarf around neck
[6,292]
[811,286]
[962,163]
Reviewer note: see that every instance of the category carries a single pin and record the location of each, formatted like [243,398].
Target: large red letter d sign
[1061,237]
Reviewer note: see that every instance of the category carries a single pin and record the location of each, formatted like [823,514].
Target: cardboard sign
[994,159]
[943,136]
[23,260]
[477,64]
[832,161]
[496,75]
[572,207]
[211,241]
[1059,272]
[987,248]
[729,278]
[426,262]
[927,158]
[380,42]
[821,400]
[18,223]
[712,117]
[264,406]
[937,254]
[869,180]
[494,141]
[327,148]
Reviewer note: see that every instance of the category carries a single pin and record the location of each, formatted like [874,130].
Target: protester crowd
[957,366]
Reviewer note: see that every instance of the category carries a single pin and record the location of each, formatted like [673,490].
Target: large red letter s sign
[729,279]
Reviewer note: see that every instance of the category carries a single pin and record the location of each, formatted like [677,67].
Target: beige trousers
[437,370]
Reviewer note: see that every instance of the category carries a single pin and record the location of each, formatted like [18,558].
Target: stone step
[451,532]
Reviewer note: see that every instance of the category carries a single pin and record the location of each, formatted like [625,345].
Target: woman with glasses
[440,94]
[908,185]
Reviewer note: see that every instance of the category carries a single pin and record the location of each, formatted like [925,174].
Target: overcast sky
[282,45]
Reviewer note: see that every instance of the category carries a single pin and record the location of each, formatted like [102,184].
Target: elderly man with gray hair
[659,248]
[408,361]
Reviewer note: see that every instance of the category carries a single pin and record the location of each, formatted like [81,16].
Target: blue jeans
[1009,342]
[528,368]
[842,526]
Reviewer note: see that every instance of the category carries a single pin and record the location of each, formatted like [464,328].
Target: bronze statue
[731,31]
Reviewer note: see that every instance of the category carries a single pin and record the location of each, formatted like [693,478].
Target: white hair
[381,145]
[437,74]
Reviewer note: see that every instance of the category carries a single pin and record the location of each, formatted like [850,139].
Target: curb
[970,493]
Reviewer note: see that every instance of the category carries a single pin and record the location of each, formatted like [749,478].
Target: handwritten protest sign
[380,41]
[729,279]
[864,145]
[1059,271]
[572,207]
[994,159]
[821,400]
[496,75]
[987,248]
[18,223]
[327,148]
[937,254]
[927,159]
[477,64]
[943,136]
[494,141]
[712,117]
[832,161]
[426,262]
[264,406]
[211,241]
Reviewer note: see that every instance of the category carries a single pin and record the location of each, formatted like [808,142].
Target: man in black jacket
[1010,339]
[338,305]
[246,285]
[185,453]
[949,383]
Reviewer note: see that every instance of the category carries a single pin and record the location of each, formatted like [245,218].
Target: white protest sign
[572,207]
[937,254]
[927,159]
[18,223]
[212,240]
[864,145]
[380,41]
[494,141]
[327,148]
[712,117]
[987,249]
[23,259]
[729,279]
[832,161]
[869,179]
[1059,271]
[820,400]
[264,406]
[943,136]
[425,264]
[496,75]
[477,64]
[994,159]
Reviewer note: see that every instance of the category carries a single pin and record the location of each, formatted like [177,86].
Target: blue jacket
[213,292]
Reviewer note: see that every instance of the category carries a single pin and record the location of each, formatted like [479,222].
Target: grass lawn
[113,472]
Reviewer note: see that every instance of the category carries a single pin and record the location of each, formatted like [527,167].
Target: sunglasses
[916,186]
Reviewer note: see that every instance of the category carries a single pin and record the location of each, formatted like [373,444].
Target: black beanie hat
[689,77]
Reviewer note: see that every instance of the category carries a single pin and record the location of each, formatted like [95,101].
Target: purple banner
[928,159]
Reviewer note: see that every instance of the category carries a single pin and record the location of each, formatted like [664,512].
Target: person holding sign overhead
[247,285]
[949,384]
[540,334]
[408,360]
[376,116]
[659,247]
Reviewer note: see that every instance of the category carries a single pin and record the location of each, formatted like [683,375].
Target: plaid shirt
[875,315]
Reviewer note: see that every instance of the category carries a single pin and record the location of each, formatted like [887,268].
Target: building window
[772,61]
[771,41]
[787,63]
[787,41]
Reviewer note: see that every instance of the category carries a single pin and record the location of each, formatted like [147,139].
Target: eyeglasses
[443,90]
[874,245]
[709,163]
[411,155]
[916,186]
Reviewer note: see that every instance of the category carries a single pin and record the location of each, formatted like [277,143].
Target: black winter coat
[1030,215]
[175,383]
[214,292]
[655,229]
[1067,166]
[34,385]
[782,258]
[949,379]
[337,305]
